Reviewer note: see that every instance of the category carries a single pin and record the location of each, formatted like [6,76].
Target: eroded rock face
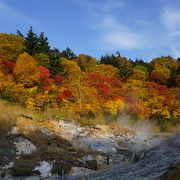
[44,169]
[153,166]
[46,131]
[101,132]
[23,146]
[71,129]
[80,171]
[102,145]
[101,160]
[74,150]
[97,138]
[96,161]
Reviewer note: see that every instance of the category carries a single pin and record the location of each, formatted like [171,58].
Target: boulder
[46,131]
[71,129]
[10,165]
[100,159]
[23,146]
[14,130]
[108,145]
[5,172]
[44,169]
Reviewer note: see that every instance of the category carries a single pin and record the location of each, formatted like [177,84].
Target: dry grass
[25,119]
[9,114]
[28,120]
[11,111]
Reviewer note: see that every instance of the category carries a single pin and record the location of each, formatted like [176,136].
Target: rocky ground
[71,151]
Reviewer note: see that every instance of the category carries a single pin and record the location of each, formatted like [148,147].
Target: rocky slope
[73,152]
[155,165]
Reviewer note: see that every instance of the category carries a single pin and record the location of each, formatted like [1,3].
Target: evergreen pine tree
[43,44]
[20,34]
[68,54]
[31,42]
[55,62]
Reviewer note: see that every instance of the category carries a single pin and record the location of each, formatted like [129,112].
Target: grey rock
[44,169]
[100,159]
[80,171]
[46,131]
[23,146]
[102,145]
[71,129]
[14,131]
[10,165]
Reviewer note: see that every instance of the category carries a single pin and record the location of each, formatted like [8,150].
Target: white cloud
[109,22]
[170,17]
[175,33]
[111,34]
[121,40]
[116,36]
[114,30]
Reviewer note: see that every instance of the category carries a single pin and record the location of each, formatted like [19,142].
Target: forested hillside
[82,87]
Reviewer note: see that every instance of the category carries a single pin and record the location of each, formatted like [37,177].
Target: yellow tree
[164,71]
[84,97]
[137,88]
[3,81]
[160,74]
[106,70]
[85,62]
[139,73]
[114,106]
[26,70]
[39,101]
[11,46]
[6,87]
[70,68]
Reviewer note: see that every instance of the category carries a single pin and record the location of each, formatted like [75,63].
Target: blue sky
[136,28]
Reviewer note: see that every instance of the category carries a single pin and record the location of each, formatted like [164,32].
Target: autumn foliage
[83,86]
